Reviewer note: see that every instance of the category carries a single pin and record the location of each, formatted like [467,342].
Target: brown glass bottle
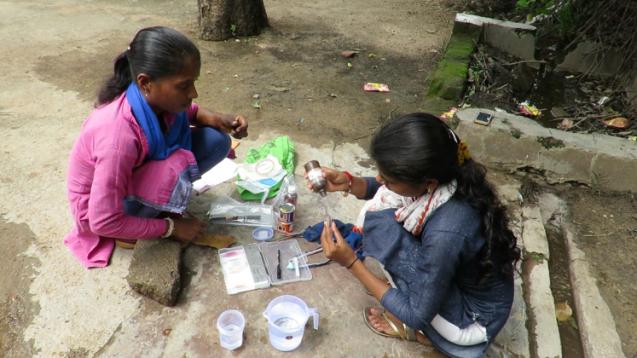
[315,177]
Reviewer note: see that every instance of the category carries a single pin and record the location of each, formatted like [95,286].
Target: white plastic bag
[227,211]
[288,182]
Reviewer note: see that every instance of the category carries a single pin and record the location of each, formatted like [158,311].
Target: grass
[597,180]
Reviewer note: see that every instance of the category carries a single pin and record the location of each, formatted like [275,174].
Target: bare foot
[380,323]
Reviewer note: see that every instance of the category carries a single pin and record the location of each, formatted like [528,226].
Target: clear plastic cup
[230,325]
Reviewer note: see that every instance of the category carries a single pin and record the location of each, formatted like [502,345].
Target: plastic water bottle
[291,196]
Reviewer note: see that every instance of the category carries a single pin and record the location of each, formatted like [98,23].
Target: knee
[225,141]
[216,138]
[209,140]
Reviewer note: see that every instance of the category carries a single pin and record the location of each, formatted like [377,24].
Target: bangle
[170,227]
[352,264]
[349,186]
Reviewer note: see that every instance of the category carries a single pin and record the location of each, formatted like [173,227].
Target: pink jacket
[100,174]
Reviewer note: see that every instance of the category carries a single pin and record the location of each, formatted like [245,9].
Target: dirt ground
[295,66]
[16,309]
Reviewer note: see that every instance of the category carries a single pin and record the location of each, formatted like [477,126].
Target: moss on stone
[450,76]
[451,70]
[449,79]
[460,47]
[550,142]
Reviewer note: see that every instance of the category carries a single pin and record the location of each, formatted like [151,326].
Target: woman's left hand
[338,251]
[237,126]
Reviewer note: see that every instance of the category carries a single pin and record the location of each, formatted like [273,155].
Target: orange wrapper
[530,110]
[618,122]
[449,114]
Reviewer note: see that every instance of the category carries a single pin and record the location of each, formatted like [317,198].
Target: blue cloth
[435,273]
[159,146]
[210,146]
[354,239]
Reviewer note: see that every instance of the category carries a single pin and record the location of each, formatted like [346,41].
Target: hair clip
[453,135]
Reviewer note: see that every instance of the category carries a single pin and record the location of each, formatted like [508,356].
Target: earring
[146,93]
[429,191]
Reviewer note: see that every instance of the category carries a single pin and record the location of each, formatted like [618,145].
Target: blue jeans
[210,146]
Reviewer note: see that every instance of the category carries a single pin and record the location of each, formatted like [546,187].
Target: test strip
[296,266]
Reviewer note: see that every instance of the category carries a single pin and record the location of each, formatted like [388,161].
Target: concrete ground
[55,54]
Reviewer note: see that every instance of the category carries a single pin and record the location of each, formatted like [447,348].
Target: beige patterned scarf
[412,212]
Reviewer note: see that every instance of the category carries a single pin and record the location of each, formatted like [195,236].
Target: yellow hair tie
[463,152]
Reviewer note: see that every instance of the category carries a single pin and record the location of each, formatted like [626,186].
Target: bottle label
[315,176]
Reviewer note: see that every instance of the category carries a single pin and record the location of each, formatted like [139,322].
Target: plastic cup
[230,325]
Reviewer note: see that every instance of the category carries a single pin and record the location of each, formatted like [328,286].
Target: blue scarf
[159,146]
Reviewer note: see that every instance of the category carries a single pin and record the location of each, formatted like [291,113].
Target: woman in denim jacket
[436,225]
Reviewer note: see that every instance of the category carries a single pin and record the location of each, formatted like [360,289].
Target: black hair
[418,147]
[158,52]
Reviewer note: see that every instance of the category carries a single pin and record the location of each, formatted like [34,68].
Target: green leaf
[279,88]
[573,323]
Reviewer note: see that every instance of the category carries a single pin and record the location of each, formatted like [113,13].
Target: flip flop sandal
[410,333]
[369,293]
[368,311]
[125,244]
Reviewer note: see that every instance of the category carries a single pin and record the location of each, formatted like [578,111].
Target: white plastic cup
[230,325]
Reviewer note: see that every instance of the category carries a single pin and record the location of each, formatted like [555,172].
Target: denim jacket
[435,273]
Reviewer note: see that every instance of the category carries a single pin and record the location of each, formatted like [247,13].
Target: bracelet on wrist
[170,227]
[352,264]
[349,184]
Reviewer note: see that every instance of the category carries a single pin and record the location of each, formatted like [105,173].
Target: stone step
[544,333]
[155,270]
[514,38]
[597,328]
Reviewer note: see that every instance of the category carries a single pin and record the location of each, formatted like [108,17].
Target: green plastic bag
[283,150]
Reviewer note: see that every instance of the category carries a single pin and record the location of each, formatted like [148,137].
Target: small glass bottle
[315,177]
[291,196]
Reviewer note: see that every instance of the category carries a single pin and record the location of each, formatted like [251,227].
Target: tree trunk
[222,19]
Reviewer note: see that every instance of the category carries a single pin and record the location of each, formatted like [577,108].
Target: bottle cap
[292,189]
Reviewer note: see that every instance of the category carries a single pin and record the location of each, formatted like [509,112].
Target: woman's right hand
[189,229]
[336,181]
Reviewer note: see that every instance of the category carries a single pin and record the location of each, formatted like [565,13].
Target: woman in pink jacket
[140,150]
